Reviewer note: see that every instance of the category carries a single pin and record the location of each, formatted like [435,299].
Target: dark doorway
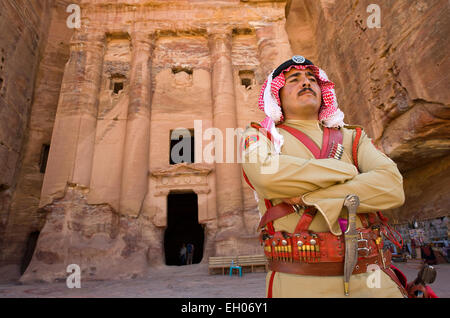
[182,227]
[45,150]
[29,250]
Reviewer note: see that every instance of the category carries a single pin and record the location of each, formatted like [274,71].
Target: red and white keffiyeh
[269,102]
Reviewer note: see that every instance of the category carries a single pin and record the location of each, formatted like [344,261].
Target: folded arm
[379,186]
[282,176]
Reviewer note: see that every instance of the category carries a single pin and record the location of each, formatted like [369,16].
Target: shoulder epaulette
[252,124]
[261,129]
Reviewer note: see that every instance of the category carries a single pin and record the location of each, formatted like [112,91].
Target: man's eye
[293,80]
[312,79]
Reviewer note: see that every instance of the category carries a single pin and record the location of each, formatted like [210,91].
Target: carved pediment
[181,169]
[182,176]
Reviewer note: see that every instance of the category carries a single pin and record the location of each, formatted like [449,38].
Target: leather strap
[335,137]
[269,292]
[305,140]
[275,212]
[270,227]
[306,219]
[388,271]
[326,143]
[363,219]
[327,269]
[355,146]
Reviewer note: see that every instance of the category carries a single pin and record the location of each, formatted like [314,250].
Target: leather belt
[318,247]
[328,269]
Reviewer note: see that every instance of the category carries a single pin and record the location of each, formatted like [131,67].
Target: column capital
[220,31]
[88,37]
[220,41]
[81,39]
[142,39]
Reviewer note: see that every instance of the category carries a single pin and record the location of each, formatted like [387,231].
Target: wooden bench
[224,262]
[220,262]
[253,261]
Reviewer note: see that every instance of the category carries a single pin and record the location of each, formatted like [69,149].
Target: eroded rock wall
[104,244]
[24,29]
[391,80]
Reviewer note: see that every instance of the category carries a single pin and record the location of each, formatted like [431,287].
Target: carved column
[73,139]
[136,152]
[228,175]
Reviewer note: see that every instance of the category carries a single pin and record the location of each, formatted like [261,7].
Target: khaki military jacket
[323,183]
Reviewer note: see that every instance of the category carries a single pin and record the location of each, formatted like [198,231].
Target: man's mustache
[306,89]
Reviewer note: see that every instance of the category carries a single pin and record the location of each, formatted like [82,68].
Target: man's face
[301,95]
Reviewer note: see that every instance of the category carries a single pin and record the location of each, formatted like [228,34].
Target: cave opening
[183,228]
[29,251]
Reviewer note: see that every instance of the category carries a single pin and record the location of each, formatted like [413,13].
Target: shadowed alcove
[182,227]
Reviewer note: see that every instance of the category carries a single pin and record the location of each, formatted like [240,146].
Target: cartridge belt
[329,268]
[317,247]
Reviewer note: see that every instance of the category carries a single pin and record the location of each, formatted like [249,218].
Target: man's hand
[295,200]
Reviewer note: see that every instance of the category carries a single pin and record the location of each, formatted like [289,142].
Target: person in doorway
[303,217]
[190,253]
[183,254]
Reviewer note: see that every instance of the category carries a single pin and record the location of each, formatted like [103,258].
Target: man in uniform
[299,95]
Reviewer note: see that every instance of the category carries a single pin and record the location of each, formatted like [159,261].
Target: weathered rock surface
[24,28]
[22,214]
[104,244]
[391,80]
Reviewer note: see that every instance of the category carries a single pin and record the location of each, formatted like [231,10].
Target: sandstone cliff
[392,80]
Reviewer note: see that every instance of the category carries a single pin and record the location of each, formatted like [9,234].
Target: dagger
[351,240]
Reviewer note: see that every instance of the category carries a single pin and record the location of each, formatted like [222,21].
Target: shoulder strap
[355,146]
[364,217]
[304,139]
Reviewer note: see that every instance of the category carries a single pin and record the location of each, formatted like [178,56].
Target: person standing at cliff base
[190,253]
